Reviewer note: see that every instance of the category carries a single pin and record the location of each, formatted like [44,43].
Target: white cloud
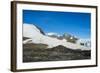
[52,33]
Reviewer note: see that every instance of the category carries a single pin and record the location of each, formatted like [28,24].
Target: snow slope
[31,31]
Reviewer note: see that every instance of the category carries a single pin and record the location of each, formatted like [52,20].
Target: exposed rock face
[41,31]
[25,38]
[33,45]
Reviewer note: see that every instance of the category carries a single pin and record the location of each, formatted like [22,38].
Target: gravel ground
[39,52]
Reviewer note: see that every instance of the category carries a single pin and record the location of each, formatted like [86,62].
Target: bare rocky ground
[40,52]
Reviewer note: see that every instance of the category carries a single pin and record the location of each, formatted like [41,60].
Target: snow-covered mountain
[31,31]
[86,42]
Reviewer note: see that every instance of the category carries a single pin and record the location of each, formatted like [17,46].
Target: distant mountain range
[87,42]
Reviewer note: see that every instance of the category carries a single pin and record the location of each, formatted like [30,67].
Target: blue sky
[78,24]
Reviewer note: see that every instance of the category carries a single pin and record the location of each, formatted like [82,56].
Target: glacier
[35,35]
